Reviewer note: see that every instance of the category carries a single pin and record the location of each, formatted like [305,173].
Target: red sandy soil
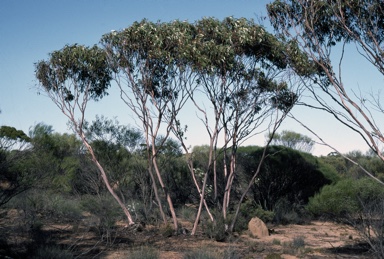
[316,239]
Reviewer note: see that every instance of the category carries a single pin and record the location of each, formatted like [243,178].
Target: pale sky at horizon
[30,30]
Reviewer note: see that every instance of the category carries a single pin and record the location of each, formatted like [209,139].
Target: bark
[106,181]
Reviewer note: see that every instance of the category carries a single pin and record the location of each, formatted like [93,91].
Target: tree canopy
[323,29]
[293,140]
[86,67]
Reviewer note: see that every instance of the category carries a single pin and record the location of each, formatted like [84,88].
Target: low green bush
[187,213]
[216,230]
[107,213]
[47,204]
[360,203]
[344,198]
[286,213]
[202,253]
[298,242]
[63,207]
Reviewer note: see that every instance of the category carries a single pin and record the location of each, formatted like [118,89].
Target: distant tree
[343,165]
[323,30]
[112,131]
[72,77]
[59,155]
[11,137]
[13,178]
[293,140]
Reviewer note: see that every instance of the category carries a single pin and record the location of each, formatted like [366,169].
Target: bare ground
[314,240]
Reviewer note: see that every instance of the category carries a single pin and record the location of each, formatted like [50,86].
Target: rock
[257,228]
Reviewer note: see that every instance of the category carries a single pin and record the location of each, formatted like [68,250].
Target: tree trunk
[165,190]
[106,181]
[200,204]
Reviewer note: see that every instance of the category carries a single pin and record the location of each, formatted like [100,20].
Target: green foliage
[293,140]
[217,229]
[46,204]
[345,198]
[176,174]
[294,182]
[10,136]
[154,54]
[264,215]
[329,171]
[345,168]
[15,175]
[287,213]
[59,155]
[87,67]
[320,27]
[61,206]
[167,230]
[104,207]
[187,213]
[298,242]
[358,18]
[248,210]
[107,213]
[110,131]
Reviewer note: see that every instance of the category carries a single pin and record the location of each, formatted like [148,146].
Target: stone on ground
[257,228]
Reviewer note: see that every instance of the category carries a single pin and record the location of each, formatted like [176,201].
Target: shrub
[345,198]
[285,174]
[46,204]
[264,215]
[106,209]
[248,210]
[144,252]
[273,256]
[276,241]
[187,213]
[298,242]
[216,230]
[63,207]
[360,203]
[287,213]
[166,230]
[202,253]
[231,253]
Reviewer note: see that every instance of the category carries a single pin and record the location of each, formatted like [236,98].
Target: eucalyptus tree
[234,64]
[239,66]
[10,138]
[324,30]
[72,77]
[293,140]
[13,143]
[150,60]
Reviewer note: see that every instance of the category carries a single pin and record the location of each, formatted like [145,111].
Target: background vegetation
[251,79]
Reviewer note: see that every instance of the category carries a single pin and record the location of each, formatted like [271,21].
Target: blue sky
[29,30]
